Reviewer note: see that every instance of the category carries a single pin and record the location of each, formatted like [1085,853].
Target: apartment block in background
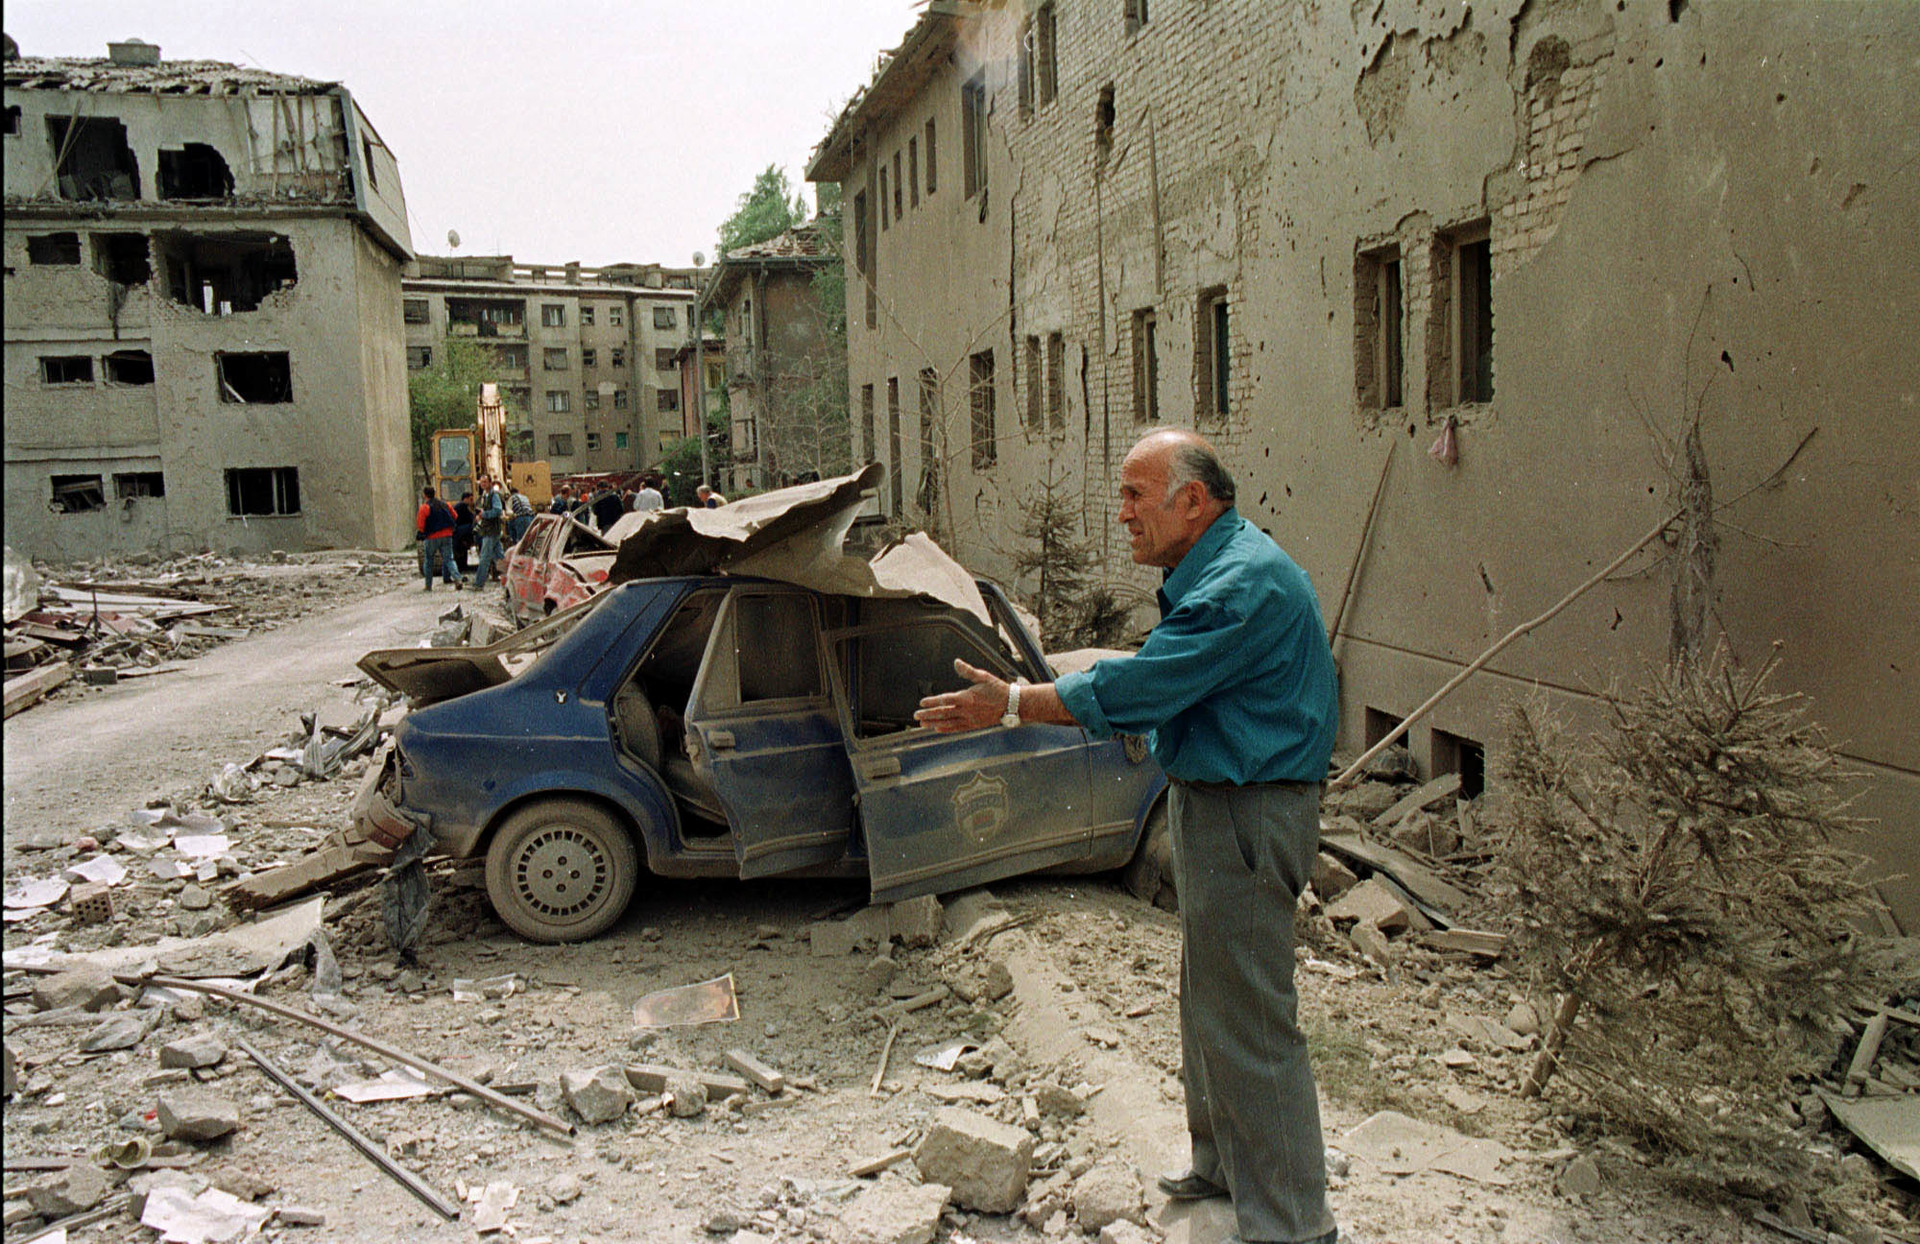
[584,357]
[203,344]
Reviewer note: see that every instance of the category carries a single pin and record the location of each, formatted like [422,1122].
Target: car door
[944,811]
[527,571]
[764,733]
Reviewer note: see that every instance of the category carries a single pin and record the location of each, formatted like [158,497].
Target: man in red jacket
[433,526]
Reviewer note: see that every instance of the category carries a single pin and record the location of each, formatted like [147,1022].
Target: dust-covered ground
[1067,987]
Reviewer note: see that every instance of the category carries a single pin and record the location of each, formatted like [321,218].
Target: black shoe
[1188,1186]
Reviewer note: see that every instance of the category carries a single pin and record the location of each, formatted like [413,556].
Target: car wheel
[1148,876]
[561,870]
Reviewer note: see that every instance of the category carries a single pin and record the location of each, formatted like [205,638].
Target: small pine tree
[1053,550]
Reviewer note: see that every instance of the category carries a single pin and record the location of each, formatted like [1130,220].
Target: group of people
[604,505]
[495,522]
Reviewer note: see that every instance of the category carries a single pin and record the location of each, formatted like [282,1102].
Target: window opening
[896,185]
[619,438]
[932,182]
[667,401]
[883,198]
[91,159]
[1025,69]
[779,655]
[619,399]
[220,274]
[1056,382]
[1104,115]
[1453,753]
[419,358]
[868,431]
[586,317]
[139,484]
[1136,15]
[973,134]
[514,357]
[1476,321]
[554,358]
[1213,360]
[414,311]
[488,315]
[927,495]
[129,367]
[588,358]
[12,125]
[894,463]
[1146,366]
[261,378]
[560,444]
[1378,318]
[616,316]
[913,172]
[980,371]
[1378,725]
[553,315]
[66,369]
[558,402]
[1035,383]
[663,317]
[1047,52]
[53,248]
[593,442]
[195,171]
[366,161]
[263,491]
[1460,326]
[77,494]
[662,359]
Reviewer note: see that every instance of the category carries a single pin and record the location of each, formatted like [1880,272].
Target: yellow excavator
[461,453]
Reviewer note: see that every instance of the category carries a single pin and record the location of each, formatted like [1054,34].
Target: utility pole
[700,380]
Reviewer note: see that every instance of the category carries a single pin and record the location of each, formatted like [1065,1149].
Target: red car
[558,563]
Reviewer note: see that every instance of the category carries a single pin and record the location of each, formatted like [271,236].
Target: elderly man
[1236,688]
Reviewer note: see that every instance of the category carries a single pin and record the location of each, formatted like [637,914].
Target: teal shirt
[1236,683]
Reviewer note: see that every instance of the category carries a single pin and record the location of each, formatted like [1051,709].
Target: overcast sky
[591,130]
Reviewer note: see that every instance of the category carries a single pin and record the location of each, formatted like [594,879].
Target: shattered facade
[203,341]
[585,356]
[1543,237]
[785,378]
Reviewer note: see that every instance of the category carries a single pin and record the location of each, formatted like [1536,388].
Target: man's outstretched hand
[974,707]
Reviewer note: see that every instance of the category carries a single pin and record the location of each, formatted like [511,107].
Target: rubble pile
[139,615]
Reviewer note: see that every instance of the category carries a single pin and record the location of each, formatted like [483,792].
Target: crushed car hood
[797,535]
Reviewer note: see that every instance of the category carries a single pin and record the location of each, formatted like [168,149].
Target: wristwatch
[1011,717]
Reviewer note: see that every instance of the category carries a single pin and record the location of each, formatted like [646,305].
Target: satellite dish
[699,259]
[453,238]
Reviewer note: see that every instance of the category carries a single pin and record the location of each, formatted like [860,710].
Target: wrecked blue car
[713,725]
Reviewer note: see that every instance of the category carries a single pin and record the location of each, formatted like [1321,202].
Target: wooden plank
[1414,877]
[752,1068]
[28,689]
[1469,941]
[873,1166]
[1433,792]
[1866,1052]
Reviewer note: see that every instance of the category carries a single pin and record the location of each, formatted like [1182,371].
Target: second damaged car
[716,725]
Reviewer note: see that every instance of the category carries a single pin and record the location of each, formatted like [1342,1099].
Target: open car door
[944,811]
[765,735]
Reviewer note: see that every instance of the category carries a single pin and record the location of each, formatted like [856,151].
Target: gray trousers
[1240,858]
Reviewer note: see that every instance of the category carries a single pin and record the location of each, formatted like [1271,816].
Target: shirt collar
[1181,579]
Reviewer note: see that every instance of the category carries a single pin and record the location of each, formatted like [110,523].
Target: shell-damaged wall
[1688,212]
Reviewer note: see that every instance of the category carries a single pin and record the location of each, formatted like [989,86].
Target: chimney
[133,52]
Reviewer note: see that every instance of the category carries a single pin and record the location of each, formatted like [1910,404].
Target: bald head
[1172,488]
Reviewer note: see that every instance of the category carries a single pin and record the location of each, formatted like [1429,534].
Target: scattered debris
[985,1162]
[708,1002]
[1399,1145]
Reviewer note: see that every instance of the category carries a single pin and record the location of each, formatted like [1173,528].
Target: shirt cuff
[1076,693]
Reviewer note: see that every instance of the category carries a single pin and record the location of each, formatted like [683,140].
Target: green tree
[446,394]
[763,212]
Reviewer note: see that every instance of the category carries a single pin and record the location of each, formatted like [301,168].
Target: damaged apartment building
[586,358]
[203,337]
[1541,272]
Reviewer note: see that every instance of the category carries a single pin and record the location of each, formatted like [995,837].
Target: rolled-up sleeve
[1196,649]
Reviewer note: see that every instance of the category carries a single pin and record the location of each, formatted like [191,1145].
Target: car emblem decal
[980,806]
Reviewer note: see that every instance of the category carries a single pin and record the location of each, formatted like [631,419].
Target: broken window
[255,378]
[554,358]
[662,359]
[913,172]
[553,315]
[868,432]
[520,443]
[1104,114]
[586,317]
[1136,15]
[488,315]
[560,445]
[122,258]
[1379,357]
[77,494]
[668,400]
[66,369]
[1056,382]
[366,162]
[896,185]
[558,402]
[1046,52]
[225,272]
[663,317]
[619,399]
[932,182]
[1212,356]
[927,495]
[973,134]
[129,367]
[196,171]
[139,484]
[91,159]
[53,248]
[12,119]
[1377,725]
[414,311]
[1035,383]
[419,357]
[894,464]
[616,316]
[863,256]
[593,400]
[883,197]
[1024,69]
[1146,366]
[980,395]
[587,358]
[263,491]
[514,357]
[1453,753]
[593,442]
[1460,324]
